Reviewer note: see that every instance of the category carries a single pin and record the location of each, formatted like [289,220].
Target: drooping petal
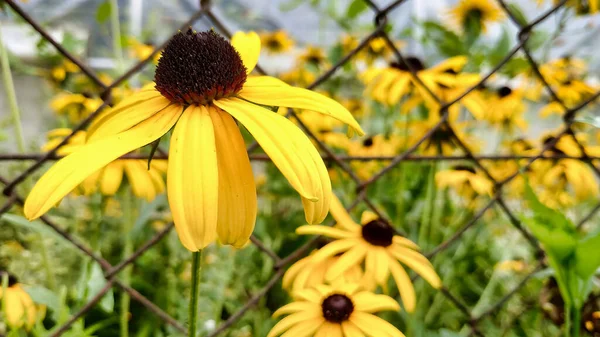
[421,267]
[342,217]
[293,271]
[292,320]
[405,286]
[331,232]
[351,330]
[382,265]
[140,180]
[237,191]
[366,301]
[193,179]
[248,45]
[328,329]
[374,326]
[293,97]
[291,151]
[139,107]
[111,178]
[68,172]
[351,258]
[304,329]
[334,248]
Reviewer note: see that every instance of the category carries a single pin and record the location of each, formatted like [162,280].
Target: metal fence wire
[380,16]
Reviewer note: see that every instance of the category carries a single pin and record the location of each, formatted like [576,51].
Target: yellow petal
[368,216]
[293,97]
[328,329]
[324,230]
[237,191]
[374,326]
[264,82]
[405,286]
[420,265]
[292,320]
[248,45]
[68,172]
[137,108]
[304,329]
[382,271]
[15,312]
[193,179]
[293,271]
[333,248]
[296,307]
[351,258]
[342,217]
[140,180]
[291,151]
[111,178]
[351,330]
[366,301]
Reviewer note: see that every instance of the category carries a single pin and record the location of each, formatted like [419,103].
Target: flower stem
[196,259]
[46,263]
[129,217]
[11,96]
[115,26]
[430,196]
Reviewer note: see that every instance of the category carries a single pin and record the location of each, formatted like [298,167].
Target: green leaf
[93,285]
[42,295]
[536,40]
[501,49]
[472,27]
[35,226]
[587,258]
[290,5]
[590,119]
[518,13]
[446,41]
[355,8]
[103,11]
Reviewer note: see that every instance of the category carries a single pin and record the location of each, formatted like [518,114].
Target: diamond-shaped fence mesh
[380,17]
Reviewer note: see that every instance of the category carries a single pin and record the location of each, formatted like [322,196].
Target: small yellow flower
[142,51]
[306,273]
[483,11]
[376,243]
[377,145]
[298,76]
[465,180]
[338,311]
[505,109]
[59,73]
[314,56]
[145,183]
[276,42]
[75,106]
[201,84]
[21,311]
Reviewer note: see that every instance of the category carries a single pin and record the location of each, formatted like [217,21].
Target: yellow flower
[505,109]
[349,43]
[307,273]
[145,183]
[390,84]
[376,49]
[338,311]
[59,73]
[441,141]
[581,7]
[21,311]
[75,106]
[210,185]
[465,180]
[142,51]
[375,243]
[483,11]
[298,76]
[314,56]
[377,145]
[276,42]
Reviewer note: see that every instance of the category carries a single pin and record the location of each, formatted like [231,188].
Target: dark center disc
[337,308]
[378,233]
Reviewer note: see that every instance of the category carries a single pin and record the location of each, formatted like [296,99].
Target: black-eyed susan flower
[75,106]
[142,50]
[145,182]
[581,7]
[298,76]
[390,84]
[338,311]
[481,12]
[377,245]
[201,84]
[314,56]
[59,73]
[466,180]
[276,42]
[442,140]
[306,273]
[19,309]
[505,108]
[373,146]
[376,49]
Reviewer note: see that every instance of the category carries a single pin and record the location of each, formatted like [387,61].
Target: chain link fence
[380,17]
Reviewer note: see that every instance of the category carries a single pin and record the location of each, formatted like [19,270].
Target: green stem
[11,96]
[196,259]
[46,263]
[429,205]
[115,26]
[567,321]
[129,217]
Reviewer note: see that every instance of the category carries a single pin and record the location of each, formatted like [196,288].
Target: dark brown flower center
[337,308]
[12,280]
[368,142]
[378,233]
[504,91]
[464,168]
[414,63]
[199,67]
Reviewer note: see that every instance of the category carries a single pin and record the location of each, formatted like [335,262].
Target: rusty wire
[380,19]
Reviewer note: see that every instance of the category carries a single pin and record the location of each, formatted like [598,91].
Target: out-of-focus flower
[505,109]
[75,106]
[466,180]
[202,84]
[376,49]
[442,140]
[141,50]
[306,273]
[581,7]
[571,92]
[276,42]
[59,72]
[20,310]
[298,76]
[390,84]
[376,243]
[349,43]
[336,311]
[481,12]
[314,56]
[373,146]
[145,183]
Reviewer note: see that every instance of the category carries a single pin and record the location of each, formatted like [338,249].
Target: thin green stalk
[129,218]
[46,263]
[11,96]
[576,322]
[427,214]
[567,321]
[115,26]
[196,260]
